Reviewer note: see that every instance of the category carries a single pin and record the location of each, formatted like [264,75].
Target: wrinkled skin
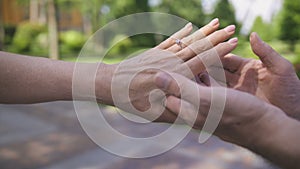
[272,78]
[132,82]
[246,120]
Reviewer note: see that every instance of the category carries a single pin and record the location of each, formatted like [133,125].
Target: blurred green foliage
[225,12]
[9,32]
[73,39]
[121,45]
[282,33]
[290,22]
[71,42]
[265,30]
[32,39]
[25,37]
[190,10]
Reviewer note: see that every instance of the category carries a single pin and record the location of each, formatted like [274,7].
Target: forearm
[33,80]
[279,141]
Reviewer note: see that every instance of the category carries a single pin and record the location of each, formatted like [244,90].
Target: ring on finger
[179,43]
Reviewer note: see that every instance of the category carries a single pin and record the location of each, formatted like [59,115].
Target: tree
[90,11]
[122,8]
[225,12]
[91,14]
[290,22]
[265,30]
[2,33]
[34,11]
[53,30]
[37,13]
[190,10]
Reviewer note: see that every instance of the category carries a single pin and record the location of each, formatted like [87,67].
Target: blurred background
[59,28]
[49,135]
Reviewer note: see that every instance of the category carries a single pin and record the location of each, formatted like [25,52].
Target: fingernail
[233,41]
[165,102]
[214,22]
[252,35]
[188,25]
[230,28]
[255,35]
[258,37]
[162,81]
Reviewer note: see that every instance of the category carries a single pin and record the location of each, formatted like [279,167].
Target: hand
[272,78]
[246,120]
[132,80]
[243,113]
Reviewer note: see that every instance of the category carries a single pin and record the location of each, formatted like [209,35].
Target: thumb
[165,82]
[180,86]
[269,57]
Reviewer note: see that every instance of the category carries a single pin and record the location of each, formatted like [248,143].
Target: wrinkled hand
[244,116]
[132,82]
[272,78]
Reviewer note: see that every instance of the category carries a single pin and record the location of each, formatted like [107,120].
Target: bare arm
[279,140]
[32,79]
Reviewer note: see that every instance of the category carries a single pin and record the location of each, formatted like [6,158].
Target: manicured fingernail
[233,41]
[214,22]
[162,81]
[230,28]
[188,25]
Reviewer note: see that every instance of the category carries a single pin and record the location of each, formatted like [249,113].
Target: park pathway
[49,136]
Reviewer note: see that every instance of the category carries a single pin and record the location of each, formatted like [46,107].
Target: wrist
[59,81]
[269,126]
[103,83]
[278,137]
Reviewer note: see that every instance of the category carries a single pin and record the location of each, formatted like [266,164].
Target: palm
[272,79]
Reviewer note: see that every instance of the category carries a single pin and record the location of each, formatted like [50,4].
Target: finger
[232,62]
[169,117]
[269,57]
[204,60]
[221,35]
[204,78]
[206,43]
[178,35]
[200,34]
[185,111]
[178,85]
[230,79]
[188,91]
[197,80]
[214,83]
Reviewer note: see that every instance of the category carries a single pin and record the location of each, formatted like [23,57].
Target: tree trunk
[87,25]
[52,29]
[34,11]
[2,32]
[43,12]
